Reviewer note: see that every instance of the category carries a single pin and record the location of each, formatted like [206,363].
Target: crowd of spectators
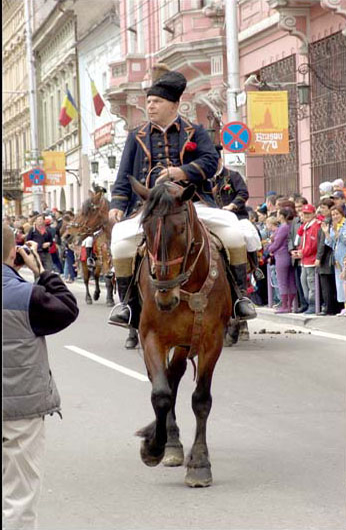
[304,249]
[44,229]
[303,246]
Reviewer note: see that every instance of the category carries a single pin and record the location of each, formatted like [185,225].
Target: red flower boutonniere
[227,187]
[191,146]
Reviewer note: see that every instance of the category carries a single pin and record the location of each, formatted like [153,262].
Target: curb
[289,318]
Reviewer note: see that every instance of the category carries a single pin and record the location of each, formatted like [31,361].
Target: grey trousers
[308,283]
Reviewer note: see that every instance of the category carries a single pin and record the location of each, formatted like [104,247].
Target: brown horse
[92,220]
[186,304]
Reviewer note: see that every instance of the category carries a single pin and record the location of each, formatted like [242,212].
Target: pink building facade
[281,43]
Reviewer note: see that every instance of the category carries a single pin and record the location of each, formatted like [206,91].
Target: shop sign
[104,135]
[54,164]
[267,117]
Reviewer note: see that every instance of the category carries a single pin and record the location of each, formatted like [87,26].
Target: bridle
[160,241]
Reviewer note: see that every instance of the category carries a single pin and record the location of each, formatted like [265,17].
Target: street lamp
[112,161]
[94,166]
[303,94]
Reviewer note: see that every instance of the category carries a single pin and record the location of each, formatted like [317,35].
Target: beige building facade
[15,110]
[56,70]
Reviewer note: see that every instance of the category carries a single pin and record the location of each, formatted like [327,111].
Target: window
[52,120]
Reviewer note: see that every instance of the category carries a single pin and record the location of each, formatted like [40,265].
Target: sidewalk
[330,324]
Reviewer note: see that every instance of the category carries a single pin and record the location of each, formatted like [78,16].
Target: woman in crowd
[336,239]
[272,225]
[284,270]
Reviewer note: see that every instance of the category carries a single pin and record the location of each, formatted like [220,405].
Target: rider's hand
[231,207]
[173,173]
[115,215]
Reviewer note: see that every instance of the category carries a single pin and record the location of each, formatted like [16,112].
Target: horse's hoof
[198,477]
[148,459]
[89,301]
[96,296]
[174,457]
[110,303]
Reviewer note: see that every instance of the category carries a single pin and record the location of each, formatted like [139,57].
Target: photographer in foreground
[30,311]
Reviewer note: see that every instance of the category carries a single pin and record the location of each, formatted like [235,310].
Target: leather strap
[198,301]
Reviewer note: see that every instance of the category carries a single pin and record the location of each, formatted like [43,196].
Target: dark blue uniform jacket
[146,146]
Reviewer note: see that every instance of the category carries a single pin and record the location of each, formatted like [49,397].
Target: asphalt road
[276,435]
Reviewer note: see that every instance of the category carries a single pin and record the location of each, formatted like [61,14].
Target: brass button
[160,155]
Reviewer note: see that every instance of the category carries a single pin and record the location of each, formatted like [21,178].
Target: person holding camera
[30,311]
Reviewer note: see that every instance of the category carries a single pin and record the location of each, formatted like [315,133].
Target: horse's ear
[138,188]
[188,192]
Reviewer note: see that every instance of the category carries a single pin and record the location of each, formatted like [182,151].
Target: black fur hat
[169,86]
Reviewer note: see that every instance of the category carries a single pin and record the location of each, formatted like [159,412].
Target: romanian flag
[68,110]
[98,101]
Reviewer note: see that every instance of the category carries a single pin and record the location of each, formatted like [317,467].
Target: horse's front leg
[174,452]
[86,277]
[155,434]
[97,292]
[198,465]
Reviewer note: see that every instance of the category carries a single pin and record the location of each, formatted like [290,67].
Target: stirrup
[91,262]
[113,314]
[251,305]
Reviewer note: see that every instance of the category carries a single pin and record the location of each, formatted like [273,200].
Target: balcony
[12,184]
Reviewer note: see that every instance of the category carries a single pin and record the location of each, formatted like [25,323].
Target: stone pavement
[329,324]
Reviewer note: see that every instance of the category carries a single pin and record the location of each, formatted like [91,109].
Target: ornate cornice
[336,6]
[296,25]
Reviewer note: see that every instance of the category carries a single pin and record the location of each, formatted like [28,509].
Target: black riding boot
[120,316]
[132,340]
[243,307]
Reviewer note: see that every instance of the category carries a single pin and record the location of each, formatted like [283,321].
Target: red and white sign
[104,135]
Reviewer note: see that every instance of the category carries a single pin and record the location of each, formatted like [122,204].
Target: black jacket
[197,157]
[324,253]
[230,187]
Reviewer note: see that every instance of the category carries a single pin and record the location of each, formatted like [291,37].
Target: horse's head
[168,223]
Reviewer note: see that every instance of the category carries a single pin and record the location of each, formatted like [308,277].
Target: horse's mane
[159,200]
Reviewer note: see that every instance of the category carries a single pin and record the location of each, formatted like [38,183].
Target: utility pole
[233,82]
[233,87]
[37,197]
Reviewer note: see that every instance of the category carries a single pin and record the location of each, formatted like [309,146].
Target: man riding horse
[169,146]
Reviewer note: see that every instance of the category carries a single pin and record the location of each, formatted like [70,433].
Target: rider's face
[161,111]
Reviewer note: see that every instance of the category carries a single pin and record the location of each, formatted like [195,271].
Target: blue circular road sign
[37,175]
[235,136]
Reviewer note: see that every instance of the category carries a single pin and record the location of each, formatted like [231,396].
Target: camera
[18,259]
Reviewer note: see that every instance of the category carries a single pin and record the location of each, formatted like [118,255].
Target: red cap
[308,208]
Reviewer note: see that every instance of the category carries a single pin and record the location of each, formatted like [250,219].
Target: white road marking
[109,364]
